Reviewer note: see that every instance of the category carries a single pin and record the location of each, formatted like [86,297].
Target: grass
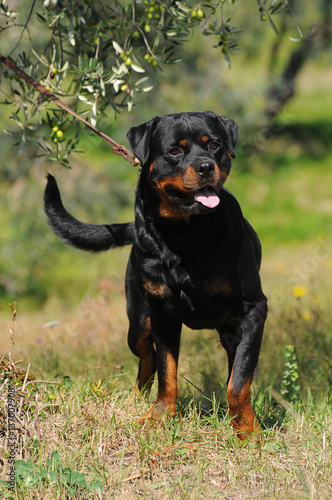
[80,440]
[78,434]
[95,334]
[283,185]
[286,196]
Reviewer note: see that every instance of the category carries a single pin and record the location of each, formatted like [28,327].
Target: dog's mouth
[206,196]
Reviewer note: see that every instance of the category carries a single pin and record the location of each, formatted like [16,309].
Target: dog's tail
[91,237]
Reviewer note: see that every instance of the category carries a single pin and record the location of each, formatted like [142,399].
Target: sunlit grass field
[78,433]
[87,418]
[81,439]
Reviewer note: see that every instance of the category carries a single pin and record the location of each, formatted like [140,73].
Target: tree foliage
[101,55]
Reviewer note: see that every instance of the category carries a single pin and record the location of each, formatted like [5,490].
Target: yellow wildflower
[299,291]
[306,315]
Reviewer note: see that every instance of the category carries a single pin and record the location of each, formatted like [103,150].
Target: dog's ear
[140,138]
[230,128]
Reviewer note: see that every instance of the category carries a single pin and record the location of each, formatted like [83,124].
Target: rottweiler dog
[195,259]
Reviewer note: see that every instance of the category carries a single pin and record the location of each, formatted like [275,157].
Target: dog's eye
[214,145]
[175,151]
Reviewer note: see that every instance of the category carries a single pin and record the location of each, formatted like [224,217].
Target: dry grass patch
[80,440]
[77,438]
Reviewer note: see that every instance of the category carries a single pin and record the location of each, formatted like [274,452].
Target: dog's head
[186,158]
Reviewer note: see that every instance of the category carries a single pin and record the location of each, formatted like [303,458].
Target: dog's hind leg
[141,344]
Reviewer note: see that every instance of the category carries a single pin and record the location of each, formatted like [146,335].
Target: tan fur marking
[191,178]
[244,420]
[184,142]
[216,286]
[205,138]
[144,350]
[167,208]
[222,173]
[141,343]
[171,391]
[156,288]
[165,404]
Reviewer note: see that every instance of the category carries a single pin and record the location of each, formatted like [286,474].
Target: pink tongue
[207,197]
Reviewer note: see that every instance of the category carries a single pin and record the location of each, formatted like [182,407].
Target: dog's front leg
[166,333]
[238,391]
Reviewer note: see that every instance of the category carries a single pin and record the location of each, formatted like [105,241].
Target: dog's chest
[199,291]
[204,304]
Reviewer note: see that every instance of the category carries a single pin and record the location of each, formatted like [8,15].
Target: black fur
[194,260]
[91,237]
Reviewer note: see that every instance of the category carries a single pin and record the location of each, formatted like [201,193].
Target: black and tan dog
[194,260]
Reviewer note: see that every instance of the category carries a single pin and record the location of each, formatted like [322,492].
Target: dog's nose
[206,168]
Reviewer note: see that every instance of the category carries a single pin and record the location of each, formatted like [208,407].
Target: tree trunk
[279,93]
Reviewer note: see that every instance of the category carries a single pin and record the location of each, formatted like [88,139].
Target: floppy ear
[230,128]
[140,137]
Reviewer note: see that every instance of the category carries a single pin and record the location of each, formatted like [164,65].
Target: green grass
[78,437]
[285,195]
[283,184]
[80,431]
[287,204]
[71,329]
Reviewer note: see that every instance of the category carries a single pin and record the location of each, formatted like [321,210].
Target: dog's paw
[160,412]
[251,432]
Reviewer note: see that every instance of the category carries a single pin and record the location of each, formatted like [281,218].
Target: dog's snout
[205,168]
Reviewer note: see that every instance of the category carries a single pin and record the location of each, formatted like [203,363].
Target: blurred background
[71,316]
